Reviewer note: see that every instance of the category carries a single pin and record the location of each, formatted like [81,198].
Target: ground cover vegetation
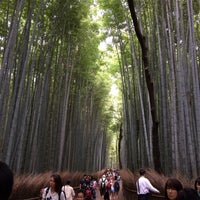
[56,109]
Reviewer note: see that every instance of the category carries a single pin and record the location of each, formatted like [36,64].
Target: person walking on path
[144,187]
[69,191]
[102,185]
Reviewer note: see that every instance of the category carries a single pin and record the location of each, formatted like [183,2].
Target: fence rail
[39,198]
[34,198]
[129,191]
[128,194]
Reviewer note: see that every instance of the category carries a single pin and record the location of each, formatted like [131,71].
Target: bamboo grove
[54,112]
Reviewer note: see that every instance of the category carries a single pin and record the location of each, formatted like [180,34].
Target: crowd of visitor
[108,185]
[174,190]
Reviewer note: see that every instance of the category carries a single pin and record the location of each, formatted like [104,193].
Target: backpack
[47,190]
[116,186]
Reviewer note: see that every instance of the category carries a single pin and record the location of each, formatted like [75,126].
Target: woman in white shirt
[54,191]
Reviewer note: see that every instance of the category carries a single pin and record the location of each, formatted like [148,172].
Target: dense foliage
[51,105]
[56,109]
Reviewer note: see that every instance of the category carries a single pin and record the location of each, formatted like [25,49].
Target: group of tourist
[56,190]
[173,189]
[108,185]
[88,185]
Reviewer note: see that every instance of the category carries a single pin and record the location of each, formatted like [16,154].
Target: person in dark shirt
[187,194]
[197,187]
[172,188]
[6,181]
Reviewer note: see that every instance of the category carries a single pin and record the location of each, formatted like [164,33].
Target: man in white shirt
[144,187]
[69,191]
